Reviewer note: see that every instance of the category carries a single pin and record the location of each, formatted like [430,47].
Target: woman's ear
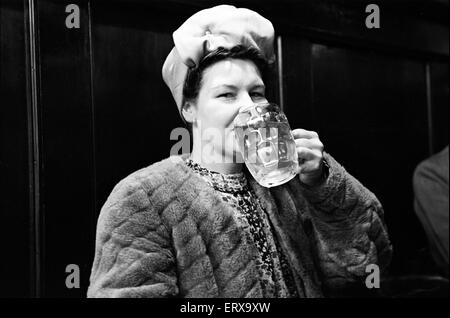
[188,111]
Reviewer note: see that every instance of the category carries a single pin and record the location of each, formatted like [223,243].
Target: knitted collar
[229,183]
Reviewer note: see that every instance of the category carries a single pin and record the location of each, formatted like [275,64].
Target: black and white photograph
[245,151]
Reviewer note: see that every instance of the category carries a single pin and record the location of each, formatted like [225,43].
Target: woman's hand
[310,155]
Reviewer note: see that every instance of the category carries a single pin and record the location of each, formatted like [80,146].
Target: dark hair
[194,76]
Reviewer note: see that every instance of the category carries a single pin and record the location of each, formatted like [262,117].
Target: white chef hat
[221,26]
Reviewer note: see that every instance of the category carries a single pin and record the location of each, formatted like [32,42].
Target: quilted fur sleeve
[133,256]
[349,228]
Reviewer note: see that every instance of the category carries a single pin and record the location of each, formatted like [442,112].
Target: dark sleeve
[349,228]
[133,256]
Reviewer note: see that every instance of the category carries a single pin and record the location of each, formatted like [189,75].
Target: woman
[199,225]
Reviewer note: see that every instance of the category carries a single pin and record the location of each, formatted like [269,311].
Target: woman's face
[226,86]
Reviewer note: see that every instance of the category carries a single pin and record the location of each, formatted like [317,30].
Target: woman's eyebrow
[224,86]
[259,86]
[255,86]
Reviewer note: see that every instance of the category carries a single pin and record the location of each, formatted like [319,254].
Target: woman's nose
[242,102]
[245,100]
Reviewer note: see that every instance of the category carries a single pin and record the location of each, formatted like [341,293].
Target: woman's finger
[309,143]
[306,154]
[302,133]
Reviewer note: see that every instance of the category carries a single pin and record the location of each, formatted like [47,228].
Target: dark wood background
[83,108]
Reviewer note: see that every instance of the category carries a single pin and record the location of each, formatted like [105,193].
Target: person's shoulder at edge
[436,165]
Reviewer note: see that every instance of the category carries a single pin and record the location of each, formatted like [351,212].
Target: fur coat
[164,232]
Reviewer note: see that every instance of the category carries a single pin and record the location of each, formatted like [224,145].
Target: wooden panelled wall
[83,108]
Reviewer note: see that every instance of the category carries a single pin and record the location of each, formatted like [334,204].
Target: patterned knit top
[275,274]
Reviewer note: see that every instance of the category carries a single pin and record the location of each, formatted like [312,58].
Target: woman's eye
[226,95]
[258,95]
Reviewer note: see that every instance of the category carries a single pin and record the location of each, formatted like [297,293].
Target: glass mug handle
[299,169]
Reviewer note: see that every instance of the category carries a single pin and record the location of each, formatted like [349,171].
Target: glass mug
[266,143]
